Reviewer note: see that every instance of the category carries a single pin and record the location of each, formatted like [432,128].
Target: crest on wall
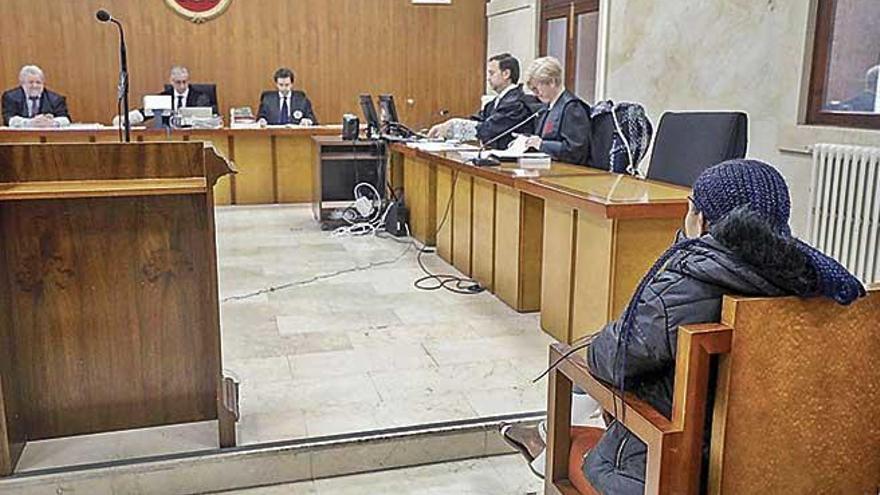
[198,11]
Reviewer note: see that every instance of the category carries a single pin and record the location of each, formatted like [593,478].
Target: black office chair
[208,89]
[689,142]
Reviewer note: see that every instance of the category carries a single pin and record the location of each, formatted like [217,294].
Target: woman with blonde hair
[563,132]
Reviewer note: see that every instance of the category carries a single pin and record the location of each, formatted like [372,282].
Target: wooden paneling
[557,271]
[462,207]
[531,255]
[338,49]
[445,200]
[483,248]
[66,318]
[816,398]
[519,234]
[507,234]
[593,274]
[223,188]
[254,182]
[13,432]
[293,158]
[420,193]
[100,343]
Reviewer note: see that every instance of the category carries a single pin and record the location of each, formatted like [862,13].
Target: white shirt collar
[178,95]
[281,97]
[504,92]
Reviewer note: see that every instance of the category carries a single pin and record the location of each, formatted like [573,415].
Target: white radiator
[845,207]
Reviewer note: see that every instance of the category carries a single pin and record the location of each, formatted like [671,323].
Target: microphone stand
[122,93]
[490,161]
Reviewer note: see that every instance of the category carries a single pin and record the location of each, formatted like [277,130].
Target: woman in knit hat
[736,241]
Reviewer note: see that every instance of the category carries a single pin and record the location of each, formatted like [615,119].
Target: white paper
[435,146]
[518,149]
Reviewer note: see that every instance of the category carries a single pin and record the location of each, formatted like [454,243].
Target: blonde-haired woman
[563,132]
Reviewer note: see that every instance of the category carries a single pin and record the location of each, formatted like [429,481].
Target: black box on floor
[395,221]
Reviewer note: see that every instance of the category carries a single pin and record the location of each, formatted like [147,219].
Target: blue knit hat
[761,189]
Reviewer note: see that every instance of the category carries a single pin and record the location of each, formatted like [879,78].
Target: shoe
[536,463]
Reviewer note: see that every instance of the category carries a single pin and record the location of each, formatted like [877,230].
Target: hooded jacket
[740,255]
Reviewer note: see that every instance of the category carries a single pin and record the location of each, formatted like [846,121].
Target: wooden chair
[796,411]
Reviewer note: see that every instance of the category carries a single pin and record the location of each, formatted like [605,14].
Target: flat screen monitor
[387,109]
[369,111]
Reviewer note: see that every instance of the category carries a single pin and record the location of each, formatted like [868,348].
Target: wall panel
[431,55]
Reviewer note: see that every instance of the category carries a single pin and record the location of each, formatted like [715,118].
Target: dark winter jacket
[740,255]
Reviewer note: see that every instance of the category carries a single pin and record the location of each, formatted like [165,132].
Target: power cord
[318,277]
[452,283]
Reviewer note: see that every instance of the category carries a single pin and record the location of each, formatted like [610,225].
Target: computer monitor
[369,111]
[387,109]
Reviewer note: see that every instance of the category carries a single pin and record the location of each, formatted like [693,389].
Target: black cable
[119,113]
[315,278]
[462,285]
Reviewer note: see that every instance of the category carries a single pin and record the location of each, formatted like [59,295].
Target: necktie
[285,112]
[179,101]
[34,106]
[548,126]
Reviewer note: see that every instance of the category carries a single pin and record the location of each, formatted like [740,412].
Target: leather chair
[796,405]
[689,142]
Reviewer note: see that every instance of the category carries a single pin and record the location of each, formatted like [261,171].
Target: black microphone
[489,161]
[122,97]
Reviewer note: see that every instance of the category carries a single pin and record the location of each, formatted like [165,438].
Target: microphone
[122,97]
[489,161]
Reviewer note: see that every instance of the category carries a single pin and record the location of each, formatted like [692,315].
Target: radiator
[845,207]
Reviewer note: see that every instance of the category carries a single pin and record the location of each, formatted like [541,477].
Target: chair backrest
[209,89]
[797,405]
[689,142]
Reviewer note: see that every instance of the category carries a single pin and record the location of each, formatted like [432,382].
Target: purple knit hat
[760,188]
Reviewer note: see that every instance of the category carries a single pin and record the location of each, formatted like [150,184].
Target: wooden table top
[317,130]
[508,173]
[613,195]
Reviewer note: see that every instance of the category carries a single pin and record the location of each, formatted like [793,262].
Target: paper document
[518,149]
[436,146]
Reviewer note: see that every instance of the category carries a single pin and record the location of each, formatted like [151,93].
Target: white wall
[513,28]
[744,55]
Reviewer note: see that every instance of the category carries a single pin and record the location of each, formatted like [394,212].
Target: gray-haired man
[31,104]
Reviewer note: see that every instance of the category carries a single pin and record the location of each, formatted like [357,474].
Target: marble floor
[502,475]
[361,350]
[348,344]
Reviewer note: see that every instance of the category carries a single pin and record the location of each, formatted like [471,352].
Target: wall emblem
[199,11]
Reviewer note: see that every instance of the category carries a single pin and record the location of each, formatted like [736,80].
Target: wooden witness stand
[109,314]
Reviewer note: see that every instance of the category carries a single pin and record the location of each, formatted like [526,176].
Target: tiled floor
[358,351]
[503,475]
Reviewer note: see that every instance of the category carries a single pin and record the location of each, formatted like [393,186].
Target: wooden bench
[796,410]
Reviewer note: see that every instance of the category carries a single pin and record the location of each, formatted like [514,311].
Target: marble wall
[513,28]
[743,55]
[717,55]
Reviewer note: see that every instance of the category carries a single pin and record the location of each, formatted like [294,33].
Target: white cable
[375,191]
[630,169]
